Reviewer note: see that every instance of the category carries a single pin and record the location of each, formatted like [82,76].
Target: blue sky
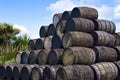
[30,15]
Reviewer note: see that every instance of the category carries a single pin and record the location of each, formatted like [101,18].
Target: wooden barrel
[26,71]
[118,51]
[55,57]
[117,38]
[66,15]
[24,57]
[43,31]
[105,25]
[105,71]
[17,71]
[31,45]
[37,72]
[75,72]
[78,55]
[51,30]
[57,42]
[72,39]
[49,73]
[60,27]
[42,57]
[18,57]
[84,12]
[57,17]
[51,42]
[9,72]
[117,63]
[79,24]
[35,44]
[2,71]
[39,43]
[33,56]
[105,54]
[102,38]
[48,42]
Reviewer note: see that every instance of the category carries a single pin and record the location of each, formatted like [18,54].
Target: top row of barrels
[84,19]
[83,12]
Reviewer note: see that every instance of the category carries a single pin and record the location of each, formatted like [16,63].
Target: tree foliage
[10,43]
[7,33]
[21,42]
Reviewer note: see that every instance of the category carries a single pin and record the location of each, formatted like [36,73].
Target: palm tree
[7,33]
[10,43]
[21,42]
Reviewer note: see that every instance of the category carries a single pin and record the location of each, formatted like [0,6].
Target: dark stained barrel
[49,73]
[105,54]
[57,42]
[51,42]
[37,72]
[78,55]
[117,38]
[17,71]
[105,71]
[75,72]
[24,57]
[105,25]
[2,71]
[66,15]
[31,45]
[48,42]
[51,30]
[79,24]
[43,31]
[18,57]
[72,39]
[60,27]
[39,43]
[117,63]
[118,51]
[33,56]
[35,44]
[84,12]
[26,71]
[102,38]
[42,58]
[57,17]
[9,72]
[55,57]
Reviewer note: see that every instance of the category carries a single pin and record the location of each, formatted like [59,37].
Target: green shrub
[8,53]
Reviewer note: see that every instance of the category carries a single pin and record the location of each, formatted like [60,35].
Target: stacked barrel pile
[76,46]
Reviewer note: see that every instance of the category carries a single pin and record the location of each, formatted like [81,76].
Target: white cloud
[117,12]
[22,29]
[61,5]
[117,26]
[105,12]
[89,1]
[33,33]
